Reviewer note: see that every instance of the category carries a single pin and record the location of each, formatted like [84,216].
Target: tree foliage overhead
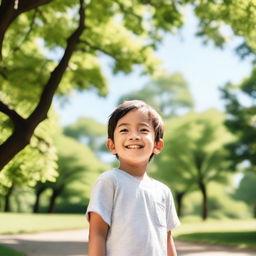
[221,20]
[49,46]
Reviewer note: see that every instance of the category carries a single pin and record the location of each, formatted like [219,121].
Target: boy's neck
[137,171]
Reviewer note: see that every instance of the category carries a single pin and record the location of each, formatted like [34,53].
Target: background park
[65,65]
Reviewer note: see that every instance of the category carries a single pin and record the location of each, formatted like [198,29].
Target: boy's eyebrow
[123,124]
[127,124]
[145,124]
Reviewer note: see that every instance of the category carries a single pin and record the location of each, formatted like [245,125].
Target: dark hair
[130,105]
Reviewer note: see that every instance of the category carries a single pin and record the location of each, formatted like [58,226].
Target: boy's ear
[111,146]
[158,146]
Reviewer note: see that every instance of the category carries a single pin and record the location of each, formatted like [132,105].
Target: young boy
[131,214]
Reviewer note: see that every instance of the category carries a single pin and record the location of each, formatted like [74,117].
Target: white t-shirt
[139,212]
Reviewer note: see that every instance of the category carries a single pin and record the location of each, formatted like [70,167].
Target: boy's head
[151,116]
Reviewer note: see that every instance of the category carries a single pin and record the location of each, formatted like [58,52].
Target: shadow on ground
[74,243]
[58,243]
[193,249]
[49,248]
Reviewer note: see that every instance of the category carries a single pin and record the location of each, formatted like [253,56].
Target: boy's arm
[97,235]
[171,250]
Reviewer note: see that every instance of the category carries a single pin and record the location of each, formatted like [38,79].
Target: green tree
[36,162]
[40,187]
[53,46]
[220,21]
[221,202]
[76,163]
[168,93]
[50,46]
[247,190]
[88,131]
[193,155]
[241,121]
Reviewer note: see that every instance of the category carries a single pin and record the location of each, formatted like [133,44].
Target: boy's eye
[124,130]
[144,130]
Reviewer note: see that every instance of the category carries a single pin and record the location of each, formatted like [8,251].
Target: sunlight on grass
[237,239]
[13,223]
[237,233]
[229,225]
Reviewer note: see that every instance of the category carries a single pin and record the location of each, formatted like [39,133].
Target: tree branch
[42,140]
[26,5]
[28,33]
[97,48]
[40,112]
[12,114]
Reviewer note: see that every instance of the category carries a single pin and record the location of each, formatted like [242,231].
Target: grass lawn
[235,233]
[237,239]
[14,223]
[5,251]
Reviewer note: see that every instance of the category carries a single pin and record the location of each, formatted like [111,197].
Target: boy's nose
[134,136]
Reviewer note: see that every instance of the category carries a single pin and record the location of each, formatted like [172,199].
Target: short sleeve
[171,214]
[102,198]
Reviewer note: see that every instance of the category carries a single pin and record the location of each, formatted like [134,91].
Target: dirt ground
[74,243]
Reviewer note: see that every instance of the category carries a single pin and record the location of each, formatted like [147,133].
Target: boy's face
[134,139]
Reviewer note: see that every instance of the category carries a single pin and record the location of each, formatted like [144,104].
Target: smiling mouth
[134,146]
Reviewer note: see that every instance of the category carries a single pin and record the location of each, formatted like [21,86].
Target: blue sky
[206,68]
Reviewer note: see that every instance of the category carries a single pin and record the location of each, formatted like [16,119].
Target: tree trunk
[37,202]
[7,206]
[179,199]
[15,143]
[52,204]
[202,188]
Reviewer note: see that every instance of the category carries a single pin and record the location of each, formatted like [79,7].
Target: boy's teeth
[134,146]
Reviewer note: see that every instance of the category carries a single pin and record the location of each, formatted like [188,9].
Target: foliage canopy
[50,47]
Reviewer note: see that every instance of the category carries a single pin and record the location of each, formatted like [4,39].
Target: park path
[74,243]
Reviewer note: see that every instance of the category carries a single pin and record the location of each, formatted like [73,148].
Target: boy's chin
[135,161]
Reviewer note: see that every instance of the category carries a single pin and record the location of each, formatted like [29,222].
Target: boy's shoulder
[160,185]
[109,175]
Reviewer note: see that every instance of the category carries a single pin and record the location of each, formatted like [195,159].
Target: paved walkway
[74,243]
